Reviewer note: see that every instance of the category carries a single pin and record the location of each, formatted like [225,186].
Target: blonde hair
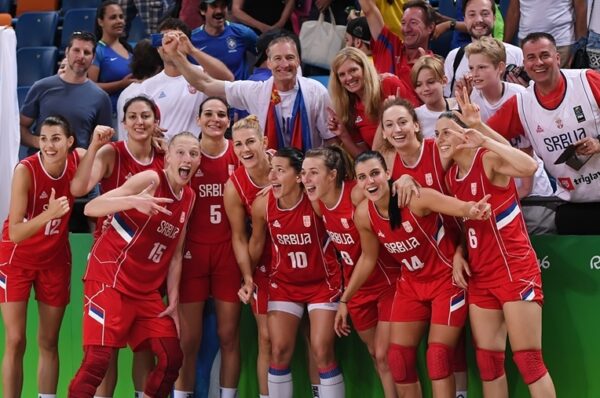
[492,48]
[343,102]
[249,122]
[433,63]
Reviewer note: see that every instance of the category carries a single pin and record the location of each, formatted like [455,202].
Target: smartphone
[156,39]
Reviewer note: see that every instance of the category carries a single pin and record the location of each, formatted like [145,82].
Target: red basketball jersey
[429,173]
[247,190]
[49,247]
[420,244]
[302,252]
[125,166]
[134,252]
[499,248]
[209,222]
[339,224]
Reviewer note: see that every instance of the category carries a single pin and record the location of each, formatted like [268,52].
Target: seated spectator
[113,54]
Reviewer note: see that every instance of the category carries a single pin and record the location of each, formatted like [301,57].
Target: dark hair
[142,98]
[84,36]
[535,36]
[145,61]
[335,158]
[394,213]
[213,97]
[397,101]
[63,123]
[453,115]
[183,134]
[428,11]
[100,12]
[466,2]
[175,24]
[294,155]
[203,6]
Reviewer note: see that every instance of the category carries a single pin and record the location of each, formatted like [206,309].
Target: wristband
[453,24]
[343,302]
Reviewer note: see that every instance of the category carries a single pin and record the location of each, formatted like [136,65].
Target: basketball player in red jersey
[111,164]
[304,272]
[128,263]
[35,251]
[425,294]
[505,287]
[209,264]
[328,176]
[249,145]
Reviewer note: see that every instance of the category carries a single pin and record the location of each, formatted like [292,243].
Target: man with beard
[480,17]
[224,40]
[390,53]
[70,94]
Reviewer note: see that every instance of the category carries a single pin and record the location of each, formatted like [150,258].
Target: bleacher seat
[35,63]
[323,79]
[5,6]
[77,20]
[35,29]
[36,5]
[21,94]
[137,31]
[5,19]
[74,4]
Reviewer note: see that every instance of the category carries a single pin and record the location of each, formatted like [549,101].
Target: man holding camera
[560,115]
[480,17]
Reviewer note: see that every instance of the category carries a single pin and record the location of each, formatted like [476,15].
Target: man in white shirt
[480,17]
[290,108]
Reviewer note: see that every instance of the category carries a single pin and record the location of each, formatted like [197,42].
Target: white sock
[228,392]
[332,382]
[182,394]
[316,390]
[280,382]
[461,394]
[139,394]
[40,395]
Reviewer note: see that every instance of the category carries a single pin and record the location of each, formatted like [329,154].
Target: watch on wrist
[453,24]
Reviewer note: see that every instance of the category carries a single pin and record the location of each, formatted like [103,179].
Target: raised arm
[213,66]
[374,17]
[136,193]
[431,200]
[194,75]
[236,214]
[95,164]
[20,229]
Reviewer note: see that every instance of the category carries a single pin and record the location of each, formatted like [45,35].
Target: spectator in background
[480,17]
[177,100]
[263,15]
[110,68]
[150,11]
[558,113]
[224,40]
[392,54]
[145,63]
[565,20]
[292,109]
[358,35]
[357,94]
[71,94]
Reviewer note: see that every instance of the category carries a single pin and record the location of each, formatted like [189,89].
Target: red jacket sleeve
[506,120]
[594,80]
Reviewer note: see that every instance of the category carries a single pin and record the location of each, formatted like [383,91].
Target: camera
[516,71]
[156,39]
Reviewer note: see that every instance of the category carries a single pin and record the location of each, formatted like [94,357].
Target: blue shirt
[260,74]
[229,47]
[113,67]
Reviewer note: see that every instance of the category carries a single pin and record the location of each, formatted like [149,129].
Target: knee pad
[91,372]
[439,361]
[168,361]
[490,364]
[531,365]
[460,354]
[403,363]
